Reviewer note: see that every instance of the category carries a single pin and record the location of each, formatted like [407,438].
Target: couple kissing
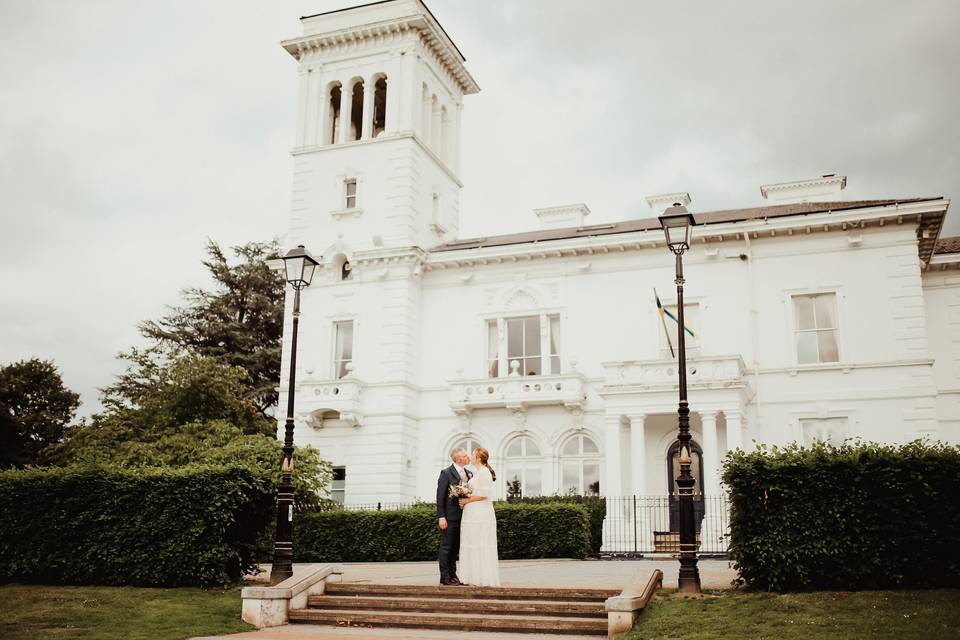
[467,521]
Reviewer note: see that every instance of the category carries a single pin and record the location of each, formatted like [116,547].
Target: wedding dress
[478,565]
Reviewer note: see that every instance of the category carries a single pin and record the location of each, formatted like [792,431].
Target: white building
[813,317]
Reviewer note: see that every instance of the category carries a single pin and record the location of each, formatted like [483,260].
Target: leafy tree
[35,408]
[240,323]
[155,394]
[189,410]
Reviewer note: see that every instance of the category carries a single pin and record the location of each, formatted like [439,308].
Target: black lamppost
[299,266]
[677,223]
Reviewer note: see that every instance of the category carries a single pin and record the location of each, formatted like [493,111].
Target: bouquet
[460,491]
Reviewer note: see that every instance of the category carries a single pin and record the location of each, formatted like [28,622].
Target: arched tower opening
[356,112]
[331,127]
[379,105]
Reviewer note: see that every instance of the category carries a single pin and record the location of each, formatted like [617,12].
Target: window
[580,466]
[333,119]
[669,331]
[379,106]
[343,348]
[356,113]
[350,193]
[816,328]
[338,486]
[522,464]
[523,341]
[830,430]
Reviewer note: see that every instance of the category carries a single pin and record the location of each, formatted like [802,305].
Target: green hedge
[595,505]
[149,527]
[523,531]
[859,516]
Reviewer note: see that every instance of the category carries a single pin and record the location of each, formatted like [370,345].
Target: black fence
[646,525]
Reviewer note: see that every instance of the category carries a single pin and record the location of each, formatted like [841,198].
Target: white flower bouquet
[460,491]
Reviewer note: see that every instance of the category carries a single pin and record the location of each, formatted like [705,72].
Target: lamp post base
[689,580]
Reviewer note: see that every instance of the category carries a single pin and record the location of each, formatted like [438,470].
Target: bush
[523,531]
[858,516]
[595,505]
[146,527]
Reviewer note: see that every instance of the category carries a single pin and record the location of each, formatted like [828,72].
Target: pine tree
[239,323]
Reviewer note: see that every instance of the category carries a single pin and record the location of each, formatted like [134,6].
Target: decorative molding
[340,214]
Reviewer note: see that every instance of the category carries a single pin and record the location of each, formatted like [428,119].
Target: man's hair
[456,452]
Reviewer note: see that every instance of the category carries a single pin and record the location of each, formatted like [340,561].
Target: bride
[478,528]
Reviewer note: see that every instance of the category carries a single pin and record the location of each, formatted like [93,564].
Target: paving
[714,574]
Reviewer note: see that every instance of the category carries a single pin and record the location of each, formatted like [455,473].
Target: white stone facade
[547,348]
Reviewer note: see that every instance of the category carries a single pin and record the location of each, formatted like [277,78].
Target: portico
[640,434]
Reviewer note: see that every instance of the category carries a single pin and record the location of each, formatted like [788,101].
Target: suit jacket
[448,507]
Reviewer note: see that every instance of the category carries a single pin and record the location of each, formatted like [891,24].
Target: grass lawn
[880,615]
[128,613]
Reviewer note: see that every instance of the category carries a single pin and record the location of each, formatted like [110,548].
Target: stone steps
[447,605]
[496,593]
[497,609]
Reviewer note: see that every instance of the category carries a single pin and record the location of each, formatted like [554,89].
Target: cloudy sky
[132,131]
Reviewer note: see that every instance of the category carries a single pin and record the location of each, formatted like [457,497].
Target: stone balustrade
[703,371]
[518,392]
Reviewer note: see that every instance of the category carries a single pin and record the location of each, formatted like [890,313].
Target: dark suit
[449,508]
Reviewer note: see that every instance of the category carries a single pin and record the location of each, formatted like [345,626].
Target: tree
[35,408]
[240,323]
[188,410]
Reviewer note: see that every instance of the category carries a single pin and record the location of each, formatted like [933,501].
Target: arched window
[434,123]
[356,112]
[332,125]
[580,466]
[342,267]
[522,464]
[444,134]
[379,106]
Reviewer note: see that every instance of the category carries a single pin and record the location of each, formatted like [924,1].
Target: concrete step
[447,605]
[454,621]
[458,593]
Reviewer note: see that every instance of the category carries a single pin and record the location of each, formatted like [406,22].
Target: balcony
[321,397]
[713,372]
[517,393]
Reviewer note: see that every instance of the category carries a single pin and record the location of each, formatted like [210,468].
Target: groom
[448,512]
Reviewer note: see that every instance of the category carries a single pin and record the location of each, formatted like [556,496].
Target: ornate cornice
[432,37]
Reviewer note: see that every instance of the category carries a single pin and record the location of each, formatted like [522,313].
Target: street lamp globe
[677,223]
[299,265]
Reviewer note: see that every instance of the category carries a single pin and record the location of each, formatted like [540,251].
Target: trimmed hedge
[858,516]
[595,505]
[523,531]
[147,527]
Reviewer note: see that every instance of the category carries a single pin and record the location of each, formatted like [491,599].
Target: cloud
[133,131]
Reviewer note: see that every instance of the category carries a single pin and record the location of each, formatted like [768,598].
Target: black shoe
[455,580]
[447,582]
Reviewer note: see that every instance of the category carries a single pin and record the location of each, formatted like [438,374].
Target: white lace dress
[478,564]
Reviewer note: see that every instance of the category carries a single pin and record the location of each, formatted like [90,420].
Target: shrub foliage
[858,516]
[148,527]
[523,531]
[595,505]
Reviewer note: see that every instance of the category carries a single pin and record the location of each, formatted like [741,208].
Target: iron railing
[644,525]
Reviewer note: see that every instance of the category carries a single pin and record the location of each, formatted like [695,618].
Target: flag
[663,312]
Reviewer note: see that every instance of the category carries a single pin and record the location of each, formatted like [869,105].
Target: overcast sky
[132,131]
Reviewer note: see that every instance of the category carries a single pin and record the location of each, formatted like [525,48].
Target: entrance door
[673,471]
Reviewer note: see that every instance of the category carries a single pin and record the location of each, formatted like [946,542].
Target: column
[638,455]
[302,106]
[711,454]
[435,132]
[346,109]
[734,430]
[369,86]
[315,107]
[617,531]
[614,486]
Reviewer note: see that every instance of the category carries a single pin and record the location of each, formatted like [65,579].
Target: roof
[706,218]
[947,245]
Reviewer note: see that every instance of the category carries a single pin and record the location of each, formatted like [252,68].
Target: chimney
[570,215]
[826,187]
[661,203]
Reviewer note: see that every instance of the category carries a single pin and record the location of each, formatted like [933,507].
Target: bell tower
[377,148]
[375,186]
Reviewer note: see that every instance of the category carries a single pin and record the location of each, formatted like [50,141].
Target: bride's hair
[484,455]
